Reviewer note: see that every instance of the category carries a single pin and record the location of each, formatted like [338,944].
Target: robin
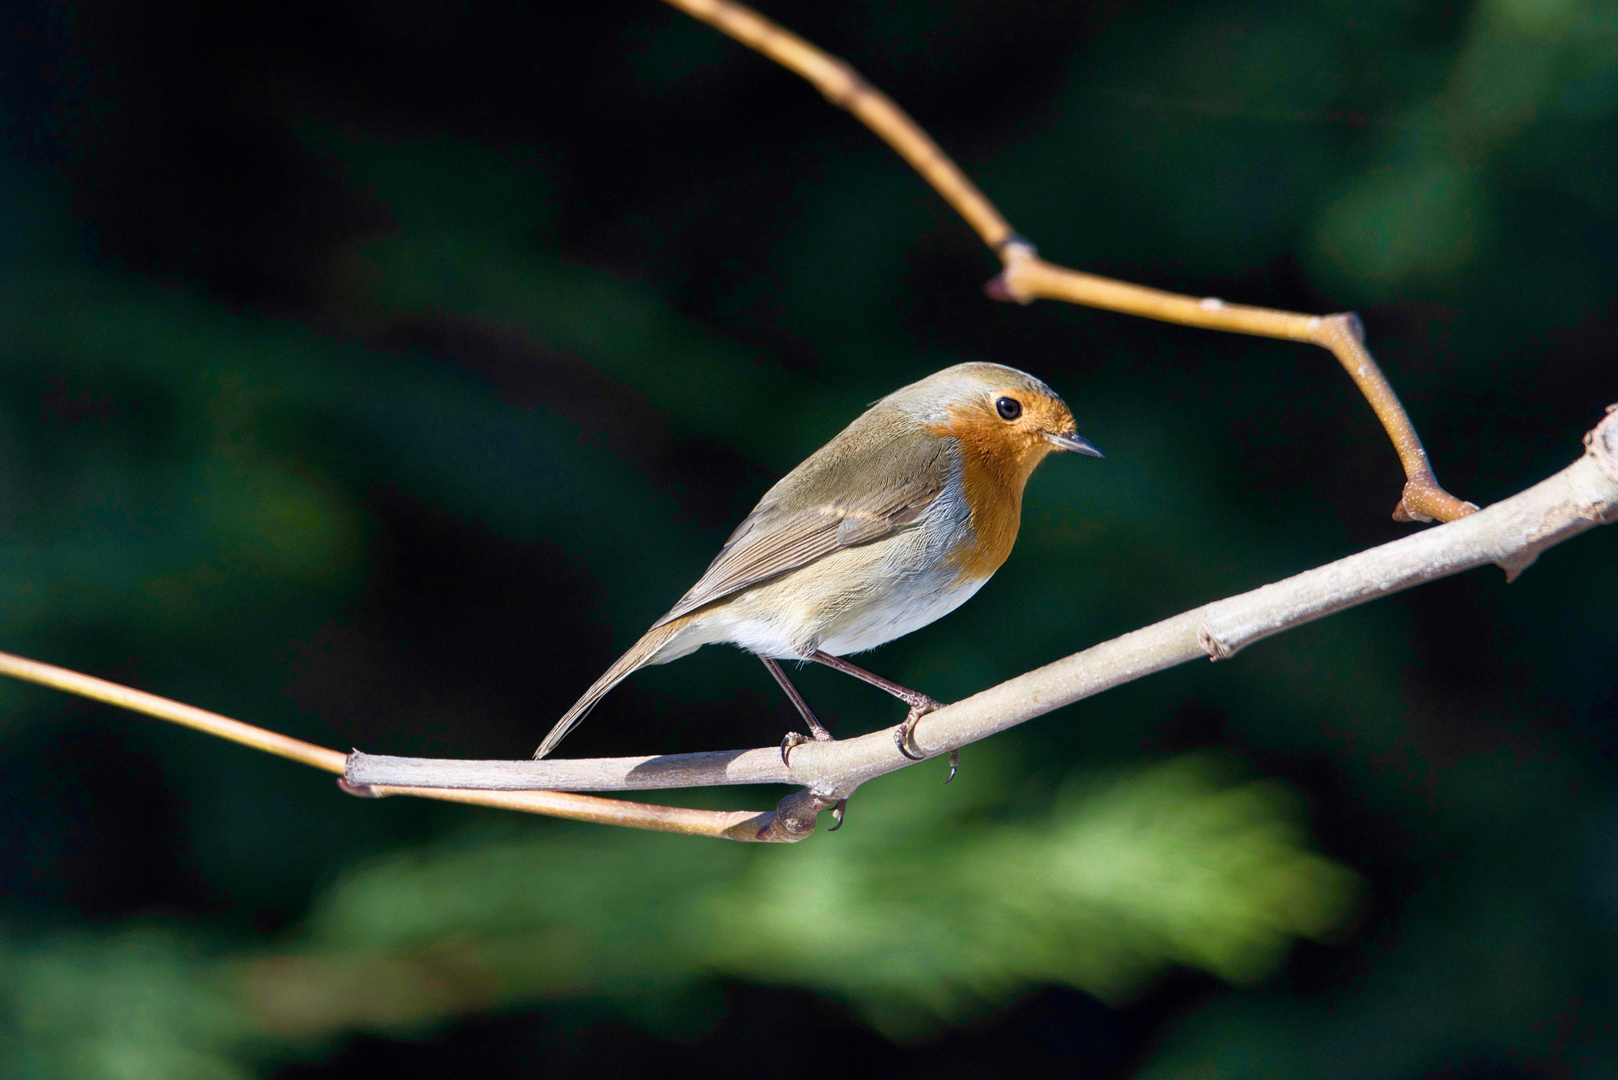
[894,523]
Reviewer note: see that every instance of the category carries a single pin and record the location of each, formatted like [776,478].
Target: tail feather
[639,655]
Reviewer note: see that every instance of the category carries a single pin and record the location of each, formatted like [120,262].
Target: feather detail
[857,489]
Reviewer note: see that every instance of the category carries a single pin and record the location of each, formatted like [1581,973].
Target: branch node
[1405,515]
[997,288]
[1601,443]
[1352,324]
[794,817]
[1016,246]
[1515,567]
[854,85]
[362,791]
[1016,253]
[1424,501]
[1212,644]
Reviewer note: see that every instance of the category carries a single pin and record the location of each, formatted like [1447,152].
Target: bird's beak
[1076,443]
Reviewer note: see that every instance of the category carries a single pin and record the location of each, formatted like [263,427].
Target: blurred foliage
[1177,864]
[375,375]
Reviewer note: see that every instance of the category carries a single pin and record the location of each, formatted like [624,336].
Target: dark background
[376,372]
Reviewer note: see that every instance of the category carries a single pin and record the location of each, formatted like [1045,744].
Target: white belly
[909,607]
[786,632]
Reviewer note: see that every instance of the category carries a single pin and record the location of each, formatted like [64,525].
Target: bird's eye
[1009,408]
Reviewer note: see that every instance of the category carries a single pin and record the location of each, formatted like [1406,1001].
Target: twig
[125,697]
[1026,277]
[716,823]
[1511,534]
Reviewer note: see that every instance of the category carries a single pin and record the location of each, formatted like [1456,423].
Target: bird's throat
[993,475]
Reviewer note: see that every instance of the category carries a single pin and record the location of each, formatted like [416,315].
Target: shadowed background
[375,373]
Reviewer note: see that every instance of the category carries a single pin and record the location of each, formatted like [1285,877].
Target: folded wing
[826,505]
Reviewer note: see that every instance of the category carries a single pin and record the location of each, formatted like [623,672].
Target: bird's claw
[901,737]
[837,812]
[794,738]
[920,707]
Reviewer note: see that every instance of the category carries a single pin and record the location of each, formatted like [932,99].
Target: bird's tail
[640,654]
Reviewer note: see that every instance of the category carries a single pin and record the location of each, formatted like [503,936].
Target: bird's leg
[920,704]
[792,739]
[914,698]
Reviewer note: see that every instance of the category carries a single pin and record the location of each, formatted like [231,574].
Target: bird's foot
[920,706]
[794,738]
[901,734]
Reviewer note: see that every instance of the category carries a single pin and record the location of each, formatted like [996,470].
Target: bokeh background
[376,372]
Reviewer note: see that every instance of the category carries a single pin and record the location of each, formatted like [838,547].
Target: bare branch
[775,826]
[1027,277]
[125,697]
[723,824]
[1510,533]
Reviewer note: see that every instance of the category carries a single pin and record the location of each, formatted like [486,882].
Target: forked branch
[1026,277]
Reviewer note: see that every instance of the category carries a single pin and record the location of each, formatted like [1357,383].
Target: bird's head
[1007,417]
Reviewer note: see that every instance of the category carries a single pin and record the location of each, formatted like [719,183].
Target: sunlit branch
[1510,534]
[1026,277]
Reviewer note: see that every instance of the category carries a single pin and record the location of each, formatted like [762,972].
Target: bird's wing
[791,528]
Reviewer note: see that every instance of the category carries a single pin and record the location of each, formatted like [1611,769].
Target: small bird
[891,525]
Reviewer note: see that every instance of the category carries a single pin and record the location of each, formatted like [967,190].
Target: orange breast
[994,470]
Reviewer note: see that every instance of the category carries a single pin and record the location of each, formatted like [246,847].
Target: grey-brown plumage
[893,523]
[822,506]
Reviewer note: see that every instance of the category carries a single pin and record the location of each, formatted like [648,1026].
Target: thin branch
[747,825]
[844,87]
[210,723]
[1026,277]
[1511,534]
[715,823]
